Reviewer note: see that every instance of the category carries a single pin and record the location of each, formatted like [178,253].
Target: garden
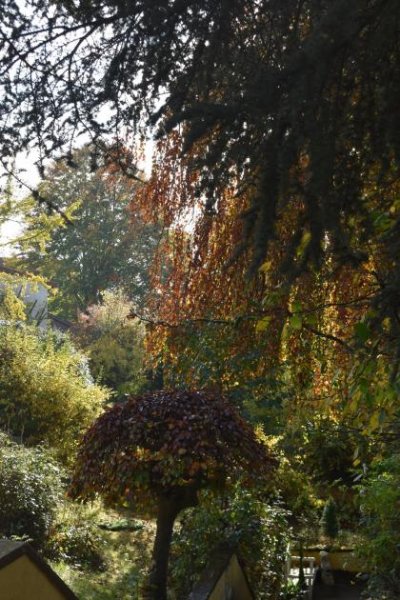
[200,293]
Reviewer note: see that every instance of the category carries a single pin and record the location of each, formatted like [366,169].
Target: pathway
[346,587]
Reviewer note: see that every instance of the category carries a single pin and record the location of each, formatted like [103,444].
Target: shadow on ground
[346,587]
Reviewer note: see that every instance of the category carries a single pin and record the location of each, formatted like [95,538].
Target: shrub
[326,449]
[46,394]
[329,520]
[296,493]
[380,502]
[260,530]
[30,490]
[114,343]
[77,542]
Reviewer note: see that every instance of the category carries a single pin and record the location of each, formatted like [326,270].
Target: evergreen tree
[297,98]
[329,520]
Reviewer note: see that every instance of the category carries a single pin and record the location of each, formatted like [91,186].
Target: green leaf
[311,319]
[263,324]
[374,421]
[296,307]
[296,322]
[362,331]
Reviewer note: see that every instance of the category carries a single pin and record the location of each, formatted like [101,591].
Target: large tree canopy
[103,247]
[290,108]
[296,99]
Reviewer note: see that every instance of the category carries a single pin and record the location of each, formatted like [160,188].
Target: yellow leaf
[263,324]
[265,267]
[374,422]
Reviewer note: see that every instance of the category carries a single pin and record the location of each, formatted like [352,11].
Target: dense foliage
[258,530]
[296,100]
[30,491]
[76,541]
[11,305]
[278,143]
[162,442]
[114,343]
[98,245]
[46,392]
[380,497]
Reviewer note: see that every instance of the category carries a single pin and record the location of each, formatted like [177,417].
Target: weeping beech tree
[155,452]
[298,97]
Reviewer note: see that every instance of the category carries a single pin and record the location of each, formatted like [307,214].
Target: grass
[126,556]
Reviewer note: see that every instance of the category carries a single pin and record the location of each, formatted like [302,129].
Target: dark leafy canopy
[156,451]
[159,443]
[297,98]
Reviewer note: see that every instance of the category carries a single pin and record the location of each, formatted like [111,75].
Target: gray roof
[7,546]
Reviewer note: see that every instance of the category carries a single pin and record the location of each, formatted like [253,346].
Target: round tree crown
[164,441]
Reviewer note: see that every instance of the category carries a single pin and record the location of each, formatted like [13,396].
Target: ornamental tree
[155,452]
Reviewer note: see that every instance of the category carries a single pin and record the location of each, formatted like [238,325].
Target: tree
[323,336]
[291,106]
[204,319]
[329,521]
[296,100]
[103,245]
[155,452]
[277,126]
[114,343]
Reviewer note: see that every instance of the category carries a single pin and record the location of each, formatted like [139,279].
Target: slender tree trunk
[168,510]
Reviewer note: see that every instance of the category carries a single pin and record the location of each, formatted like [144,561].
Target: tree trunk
[168,509]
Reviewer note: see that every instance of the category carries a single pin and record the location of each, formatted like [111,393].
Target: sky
[27,172]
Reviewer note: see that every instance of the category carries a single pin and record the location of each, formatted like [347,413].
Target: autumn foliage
[155,452]
[161,441]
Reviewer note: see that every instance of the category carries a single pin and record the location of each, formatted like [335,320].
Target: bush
[114,343]
[380,501]
[296,493]
[260,530]
[76,542]
[30,491]
[325,450]
[46,394]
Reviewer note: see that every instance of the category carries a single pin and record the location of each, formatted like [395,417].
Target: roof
[7,546]
[11,550]
[214,570]
[60,323]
